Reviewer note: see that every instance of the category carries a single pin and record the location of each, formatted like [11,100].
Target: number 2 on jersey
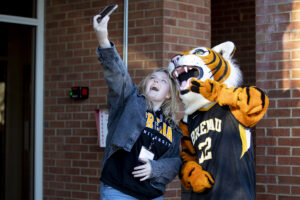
[205,148]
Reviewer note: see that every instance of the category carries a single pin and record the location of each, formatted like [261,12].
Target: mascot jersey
[215,134]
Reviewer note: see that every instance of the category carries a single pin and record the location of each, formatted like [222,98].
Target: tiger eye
[199,52]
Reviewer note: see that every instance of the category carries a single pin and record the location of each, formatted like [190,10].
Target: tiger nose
[175,59]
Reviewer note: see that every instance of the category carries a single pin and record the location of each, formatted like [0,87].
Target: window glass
[21,8]
[16,110]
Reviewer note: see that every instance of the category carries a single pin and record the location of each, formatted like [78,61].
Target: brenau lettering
[206,126]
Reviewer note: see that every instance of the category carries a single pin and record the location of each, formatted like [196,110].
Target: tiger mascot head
[203,63]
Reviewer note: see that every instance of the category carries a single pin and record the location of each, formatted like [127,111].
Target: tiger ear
[226,49]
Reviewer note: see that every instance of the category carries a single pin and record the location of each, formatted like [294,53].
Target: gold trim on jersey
[245,138]
[206,109]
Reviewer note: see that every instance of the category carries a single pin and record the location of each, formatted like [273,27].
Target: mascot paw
[195,177]
[185,184]
[209,88]
[201,180]
[195,85]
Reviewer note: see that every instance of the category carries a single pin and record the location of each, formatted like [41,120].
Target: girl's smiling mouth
[154,88]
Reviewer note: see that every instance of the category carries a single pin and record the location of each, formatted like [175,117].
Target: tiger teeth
[185,69]
[176,74]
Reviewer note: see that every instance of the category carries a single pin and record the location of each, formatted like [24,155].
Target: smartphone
[107,11]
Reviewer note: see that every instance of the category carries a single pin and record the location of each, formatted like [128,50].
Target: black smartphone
[107,11]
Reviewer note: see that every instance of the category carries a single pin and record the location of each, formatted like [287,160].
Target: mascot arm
[193,176]
[191,173]
[248,104]
[187,150]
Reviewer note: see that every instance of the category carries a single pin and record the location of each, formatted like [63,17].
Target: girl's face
[158,88]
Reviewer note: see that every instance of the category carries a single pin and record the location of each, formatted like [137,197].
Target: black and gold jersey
[224,148]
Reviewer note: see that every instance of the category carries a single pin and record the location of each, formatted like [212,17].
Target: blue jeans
[109,193]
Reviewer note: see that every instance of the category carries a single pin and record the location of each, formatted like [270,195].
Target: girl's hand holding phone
[100,23]
[101,31]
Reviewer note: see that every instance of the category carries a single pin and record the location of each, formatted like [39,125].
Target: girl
[142,145]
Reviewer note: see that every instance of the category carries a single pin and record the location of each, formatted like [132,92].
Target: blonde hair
[169,106]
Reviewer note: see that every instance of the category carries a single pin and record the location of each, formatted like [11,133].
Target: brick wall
[234,20]
[277,71]
[157,30]
[186,25]
[71,156]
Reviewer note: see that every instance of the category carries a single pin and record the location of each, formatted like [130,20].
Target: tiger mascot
[217,150]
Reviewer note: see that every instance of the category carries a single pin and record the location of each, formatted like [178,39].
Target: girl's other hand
[143,171]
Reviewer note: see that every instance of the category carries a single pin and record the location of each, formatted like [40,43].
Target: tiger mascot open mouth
[203,63]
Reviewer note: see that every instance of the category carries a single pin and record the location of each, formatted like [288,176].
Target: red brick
[288,160]
[278,189]
[296,132]
[265,179]
[279,113]
[296,190]
[260,188]
[80,195]
[289,141]
[288,122]
[265,141]
[288,180]
[265,197]
[279,150]
[261,160]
